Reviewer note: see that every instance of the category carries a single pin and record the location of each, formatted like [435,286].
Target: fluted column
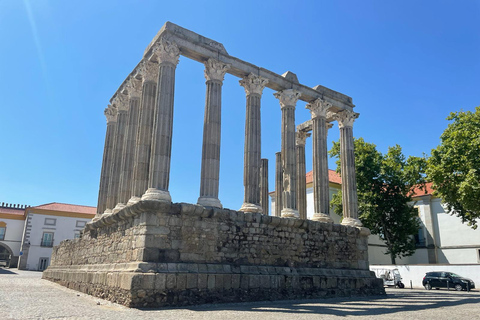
[321,195]
[134,90]
[148,71]
[288,99]
[264,186]
[111,115]
[167,54]
[301,174]
[347,157]
[210,173]
[278,184]
[121,103]
[254,86]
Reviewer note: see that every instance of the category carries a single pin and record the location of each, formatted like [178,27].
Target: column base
[322,217]
[133,200]
[209,202]
[250,207]
[352,222]
[290,213]
[107,212]
[118,207]
[157,195]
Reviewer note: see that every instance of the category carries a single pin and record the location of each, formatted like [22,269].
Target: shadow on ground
[355,306]
[5,271]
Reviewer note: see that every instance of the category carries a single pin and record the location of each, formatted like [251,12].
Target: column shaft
[278,184]
[143,144]
[252,154]
[254,86]
[301,181]
[107,160]
[289,163]
[210,172]
[321,195]
[349,183]
[114,178]
[264,186]
[125,184]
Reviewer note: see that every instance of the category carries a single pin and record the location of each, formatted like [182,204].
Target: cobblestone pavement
[24,295]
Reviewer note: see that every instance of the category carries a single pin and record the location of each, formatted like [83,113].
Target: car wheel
[458,287]
[401,285]
[428,286]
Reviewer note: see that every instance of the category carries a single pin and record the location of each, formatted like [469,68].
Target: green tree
[385,187]
[454,166]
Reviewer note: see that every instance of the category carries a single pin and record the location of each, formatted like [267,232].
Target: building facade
[12,220]
[28,234]
[442,238]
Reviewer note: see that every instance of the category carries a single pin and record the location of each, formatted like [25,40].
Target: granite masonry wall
[156,254]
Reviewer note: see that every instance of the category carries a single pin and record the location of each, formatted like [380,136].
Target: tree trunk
[392,256]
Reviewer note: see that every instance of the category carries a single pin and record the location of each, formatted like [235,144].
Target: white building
[12,220]
[442,238]
[28,234]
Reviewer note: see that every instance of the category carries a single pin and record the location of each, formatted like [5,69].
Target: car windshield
[454,275]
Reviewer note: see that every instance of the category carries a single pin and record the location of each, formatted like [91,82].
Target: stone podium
[143,250]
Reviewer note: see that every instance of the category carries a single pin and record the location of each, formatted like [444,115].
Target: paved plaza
[24,295]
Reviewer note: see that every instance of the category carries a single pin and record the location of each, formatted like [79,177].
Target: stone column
[121,103]
[288,99]
[254,86]
[321,195]
[133,90]
[148,71]
[301,174]
[167,54]
[278,184]
[210,174]
[264,186]
[111,115]
[347,157]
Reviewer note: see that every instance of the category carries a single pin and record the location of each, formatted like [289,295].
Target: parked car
[443,279]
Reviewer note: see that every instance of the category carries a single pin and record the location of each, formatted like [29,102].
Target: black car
[443,279]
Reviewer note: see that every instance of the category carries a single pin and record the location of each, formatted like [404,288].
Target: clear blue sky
[406,64]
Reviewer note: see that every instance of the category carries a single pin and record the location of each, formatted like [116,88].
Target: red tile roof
[333,177]
[428,190]
[55,206]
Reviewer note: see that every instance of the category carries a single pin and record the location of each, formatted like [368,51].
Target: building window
[419,238]
[479,255]
[2,233]
[50,221]
[47,239]
[43,264]
[80,224]
[77,235]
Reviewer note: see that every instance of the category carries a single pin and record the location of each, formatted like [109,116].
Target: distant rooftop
[65,207]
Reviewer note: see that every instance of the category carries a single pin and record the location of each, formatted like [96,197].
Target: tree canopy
[385,187]
[454,166]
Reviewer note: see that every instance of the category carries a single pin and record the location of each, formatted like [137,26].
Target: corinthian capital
[133,88]
[288,97]
[215,70]
[301,138]
[345,118]
[253,84]
[166,51]
[318,108]
[120,101]
[110,113]
[148,71]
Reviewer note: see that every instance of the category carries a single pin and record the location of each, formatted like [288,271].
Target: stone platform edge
[205,212]
[176,284]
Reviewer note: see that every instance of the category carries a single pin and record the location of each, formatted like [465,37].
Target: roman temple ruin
[143,250]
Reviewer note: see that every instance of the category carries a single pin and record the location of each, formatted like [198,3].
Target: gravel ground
[24,295]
